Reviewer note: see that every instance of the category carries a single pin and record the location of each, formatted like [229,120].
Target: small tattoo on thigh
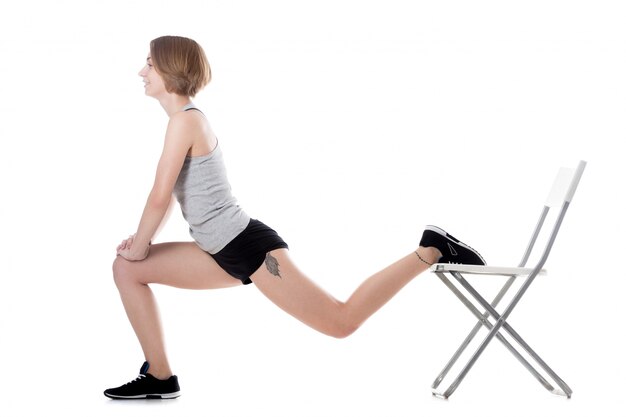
[271,264]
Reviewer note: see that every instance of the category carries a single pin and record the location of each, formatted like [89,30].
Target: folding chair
[560,196]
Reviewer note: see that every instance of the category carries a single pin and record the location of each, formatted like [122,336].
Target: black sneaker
[145,386]
[452,249]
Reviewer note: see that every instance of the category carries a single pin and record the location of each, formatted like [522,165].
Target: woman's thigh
[177,264]
[290,289]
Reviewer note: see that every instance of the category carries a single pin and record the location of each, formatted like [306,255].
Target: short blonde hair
[182,64]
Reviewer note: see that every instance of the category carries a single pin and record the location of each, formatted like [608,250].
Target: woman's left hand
[131,252]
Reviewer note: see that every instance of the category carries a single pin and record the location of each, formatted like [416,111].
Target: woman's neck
[172,103]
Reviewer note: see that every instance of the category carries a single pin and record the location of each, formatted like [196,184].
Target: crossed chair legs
[494,331]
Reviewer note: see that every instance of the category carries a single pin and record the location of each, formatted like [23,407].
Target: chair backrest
[565,185]
[561,195]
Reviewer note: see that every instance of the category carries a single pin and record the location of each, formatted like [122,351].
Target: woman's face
[153,83]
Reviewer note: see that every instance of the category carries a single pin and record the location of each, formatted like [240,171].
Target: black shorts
[243,255]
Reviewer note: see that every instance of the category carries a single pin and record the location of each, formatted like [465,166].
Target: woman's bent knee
[122,273]
[344,326]
[342,331]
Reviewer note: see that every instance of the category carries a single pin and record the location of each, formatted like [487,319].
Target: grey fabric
[204,194]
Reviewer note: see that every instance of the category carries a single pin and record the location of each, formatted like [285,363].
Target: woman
[229,247]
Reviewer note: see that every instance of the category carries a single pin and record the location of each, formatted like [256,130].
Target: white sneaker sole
[167,396]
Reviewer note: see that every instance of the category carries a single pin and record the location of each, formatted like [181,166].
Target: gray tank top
[204,194]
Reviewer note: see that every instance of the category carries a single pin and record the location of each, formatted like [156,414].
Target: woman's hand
[131,252]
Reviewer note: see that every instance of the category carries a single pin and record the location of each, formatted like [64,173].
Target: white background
[347,126]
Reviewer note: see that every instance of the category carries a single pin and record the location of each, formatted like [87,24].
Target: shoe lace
[139,377]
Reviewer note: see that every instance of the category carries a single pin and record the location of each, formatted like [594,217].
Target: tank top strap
[191,106]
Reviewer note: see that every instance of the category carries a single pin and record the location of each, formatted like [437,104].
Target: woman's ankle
[429,255]
[159,370]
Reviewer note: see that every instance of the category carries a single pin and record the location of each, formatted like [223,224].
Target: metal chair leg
[483,317]
[501,322]
[483,321]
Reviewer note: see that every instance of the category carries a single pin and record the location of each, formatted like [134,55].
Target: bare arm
[166,217]
[159,202]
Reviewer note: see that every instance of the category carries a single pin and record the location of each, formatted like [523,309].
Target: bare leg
[178,264]
[281,281]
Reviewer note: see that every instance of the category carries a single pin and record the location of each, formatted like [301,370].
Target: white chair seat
[484,269]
